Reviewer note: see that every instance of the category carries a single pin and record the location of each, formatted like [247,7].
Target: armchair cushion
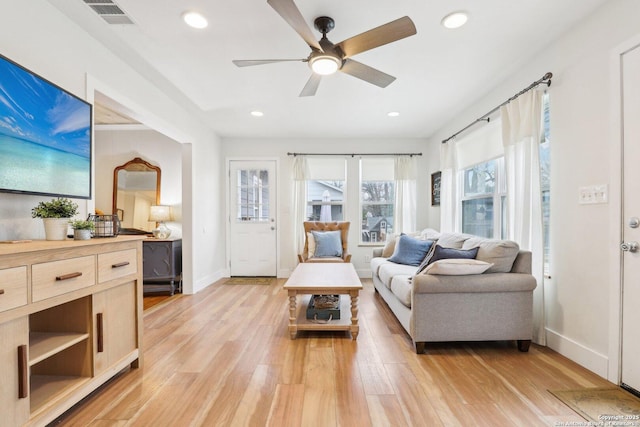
[328,244]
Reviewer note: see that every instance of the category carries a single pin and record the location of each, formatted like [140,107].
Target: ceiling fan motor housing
[324,24]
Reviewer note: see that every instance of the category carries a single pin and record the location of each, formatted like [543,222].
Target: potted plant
[55,216]
[82,229]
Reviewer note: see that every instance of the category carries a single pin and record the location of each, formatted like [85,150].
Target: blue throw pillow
[410,251]
[328,244]
[439,253]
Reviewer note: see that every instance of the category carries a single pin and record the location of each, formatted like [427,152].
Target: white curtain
[449,199]
[521,127]
[404,217]
[300,174]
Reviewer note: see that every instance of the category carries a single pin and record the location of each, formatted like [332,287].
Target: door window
[253,195]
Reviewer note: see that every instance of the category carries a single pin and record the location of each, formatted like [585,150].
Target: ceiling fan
[327,57]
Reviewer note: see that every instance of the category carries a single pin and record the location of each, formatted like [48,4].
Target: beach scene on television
[45,136]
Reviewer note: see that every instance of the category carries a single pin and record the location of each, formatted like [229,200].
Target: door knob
[629,246]
[273,228]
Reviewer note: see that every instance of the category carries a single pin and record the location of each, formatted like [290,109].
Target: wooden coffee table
[323,279]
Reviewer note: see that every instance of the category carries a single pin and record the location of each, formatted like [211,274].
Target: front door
[631,218]
[252,202]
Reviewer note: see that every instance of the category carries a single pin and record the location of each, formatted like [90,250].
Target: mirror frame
[137,164]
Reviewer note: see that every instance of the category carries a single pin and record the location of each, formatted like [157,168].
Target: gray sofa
[492,306]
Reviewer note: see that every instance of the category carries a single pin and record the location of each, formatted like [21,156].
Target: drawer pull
[23,372]
[1,291]
[120,264]
[100,332]
[68,276]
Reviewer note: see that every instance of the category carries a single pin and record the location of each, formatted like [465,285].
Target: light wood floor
[224,357]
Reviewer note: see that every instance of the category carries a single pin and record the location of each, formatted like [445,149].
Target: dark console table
[162,265]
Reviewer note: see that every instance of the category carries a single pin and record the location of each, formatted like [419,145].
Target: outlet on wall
[367,258]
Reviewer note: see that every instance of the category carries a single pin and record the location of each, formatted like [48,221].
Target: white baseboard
[364,273]
[208,280]
[577,352]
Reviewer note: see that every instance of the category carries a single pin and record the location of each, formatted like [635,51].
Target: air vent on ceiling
[109,11]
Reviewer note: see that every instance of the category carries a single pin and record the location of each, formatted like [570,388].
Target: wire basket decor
[105,225]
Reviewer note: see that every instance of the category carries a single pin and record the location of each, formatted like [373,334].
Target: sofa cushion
[401,287]
[439,253]
[392,240]
[390,245]
[376,262]
[453,240]
[500,253]
[430,234]
[457,267]
[388,270]
[328,244]
[410,251]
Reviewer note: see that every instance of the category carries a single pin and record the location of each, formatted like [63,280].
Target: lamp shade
[160,213]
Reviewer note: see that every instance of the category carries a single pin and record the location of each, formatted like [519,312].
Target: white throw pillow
[311,245]
[457,267]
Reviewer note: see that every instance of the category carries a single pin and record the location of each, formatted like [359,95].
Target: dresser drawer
[113,265]
[13,287]
[53,278]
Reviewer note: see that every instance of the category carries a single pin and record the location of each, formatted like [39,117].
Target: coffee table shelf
[341,324]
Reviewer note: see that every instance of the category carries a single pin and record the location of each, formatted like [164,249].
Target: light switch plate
[593,194]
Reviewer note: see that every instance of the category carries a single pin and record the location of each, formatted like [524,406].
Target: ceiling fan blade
[379,36]
[311,87]
[366,73]
[290,12]
[251,62]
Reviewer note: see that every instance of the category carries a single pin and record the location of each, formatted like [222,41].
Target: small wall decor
[435,188]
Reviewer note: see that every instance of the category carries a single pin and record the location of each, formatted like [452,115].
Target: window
[377,196]
[483,199]
[325,200]
[483,206]
[325,189]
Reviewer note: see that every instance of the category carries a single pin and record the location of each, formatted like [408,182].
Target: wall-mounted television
[45,136]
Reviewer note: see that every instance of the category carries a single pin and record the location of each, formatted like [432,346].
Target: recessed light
[195,19]
[257,113]
[455,20]
[393,114]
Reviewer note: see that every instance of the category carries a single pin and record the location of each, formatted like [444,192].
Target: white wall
[582,238]
[278,148]
[37,36]
[114,148]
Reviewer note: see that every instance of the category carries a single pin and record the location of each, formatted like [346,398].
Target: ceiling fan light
[325,65]
[195,20]
[455,20]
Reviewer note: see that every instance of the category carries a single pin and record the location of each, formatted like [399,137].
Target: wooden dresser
[70,319]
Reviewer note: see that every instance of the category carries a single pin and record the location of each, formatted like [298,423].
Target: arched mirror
[136,187]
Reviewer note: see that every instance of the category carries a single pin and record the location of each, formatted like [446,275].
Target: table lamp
[160,214]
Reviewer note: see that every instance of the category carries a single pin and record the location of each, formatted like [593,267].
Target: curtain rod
[354,154]
[546,79]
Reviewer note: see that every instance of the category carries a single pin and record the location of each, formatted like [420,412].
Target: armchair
[309,226]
